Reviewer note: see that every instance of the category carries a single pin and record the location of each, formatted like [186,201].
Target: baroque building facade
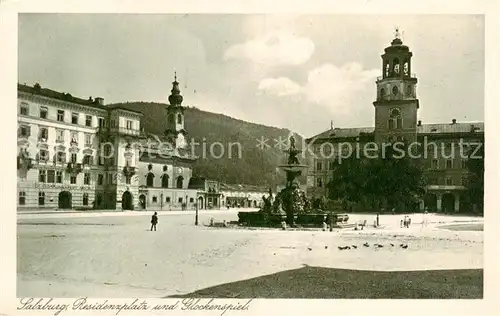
[77,153]
[396,120]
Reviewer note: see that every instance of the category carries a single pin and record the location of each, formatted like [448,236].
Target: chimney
[419,123]
[454,121]
[99,100]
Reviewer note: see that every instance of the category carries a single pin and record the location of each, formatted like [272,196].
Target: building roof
[451,128]
[344,132]
[442,128]
[36,89]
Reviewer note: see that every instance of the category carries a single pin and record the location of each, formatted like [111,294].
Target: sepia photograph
[194,156]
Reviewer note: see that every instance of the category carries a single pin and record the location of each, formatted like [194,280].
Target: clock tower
[397,104]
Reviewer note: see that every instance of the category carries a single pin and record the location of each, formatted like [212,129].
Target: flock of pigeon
[404,246]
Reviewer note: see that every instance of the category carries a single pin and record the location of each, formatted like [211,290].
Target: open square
[116,255]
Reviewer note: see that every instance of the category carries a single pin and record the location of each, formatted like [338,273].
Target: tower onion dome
[175,97]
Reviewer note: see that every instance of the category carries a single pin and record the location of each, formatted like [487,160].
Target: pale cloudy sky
[298,72]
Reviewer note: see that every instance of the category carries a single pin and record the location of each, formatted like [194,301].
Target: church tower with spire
[175,131]
[397,104]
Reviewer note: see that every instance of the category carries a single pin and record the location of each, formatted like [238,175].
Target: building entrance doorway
[127,201]
[64,199]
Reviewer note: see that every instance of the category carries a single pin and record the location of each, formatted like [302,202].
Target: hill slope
[253,166]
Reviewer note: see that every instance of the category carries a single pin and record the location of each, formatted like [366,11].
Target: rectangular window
[59,177]
[74,118]
[41,198]
[43,155]
[22,198]
[102,122]
[465,163]
[449,181]
[465,180]
[42,176]
[449,164]
[60,135]
[60,115]
[100,179]
[332,165]
[73,180]
[88,120]
[74,137]
[127,180]
[86,178]
[435,164]
[180,200]
[155,199]
[319,166]
[51,175]
[167,199]
[43,134]
[44,112]
[319,183]
[85,199]
[25,110]
[61,157]
[129,124]
[88,140]
[73,158]
[24,130]
[191,200]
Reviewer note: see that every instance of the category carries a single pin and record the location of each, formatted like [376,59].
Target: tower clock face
[395,90]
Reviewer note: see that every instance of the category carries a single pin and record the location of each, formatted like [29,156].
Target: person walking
[154,221]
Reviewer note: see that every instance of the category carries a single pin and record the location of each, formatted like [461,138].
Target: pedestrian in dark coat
[154,221]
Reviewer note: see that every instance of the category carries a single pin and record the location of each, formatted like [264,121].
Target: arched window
[395,119]
[382,93]
[396,65]
[164,181]
[171,119]
[406,68]
[180,181]
[179,118]
[150,179]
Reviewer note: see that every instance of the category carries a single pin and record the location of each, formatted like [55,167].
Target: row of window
[164,181]
[60,157]
[430,181]
[41,198]
[168,200]
[434,164]
[44,114]
[75,117]
[56,176]
[43,135]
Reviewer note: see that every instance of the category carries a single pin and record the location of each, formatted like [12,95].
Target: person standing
[154,221]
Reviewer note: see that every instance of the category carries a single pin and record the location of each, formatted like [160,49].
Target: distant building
[396,120]
[242,195]
[77,153]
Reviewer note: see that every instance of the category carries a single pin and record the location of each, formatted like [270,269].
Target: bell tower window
[396,65]
[395,119]
[179,118]
[382,93]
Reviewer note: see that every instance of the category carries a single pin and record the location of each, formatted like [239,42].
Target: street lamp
[196,214]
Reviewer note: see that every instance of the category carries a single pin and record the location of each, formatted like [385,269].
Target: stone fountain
[291,196]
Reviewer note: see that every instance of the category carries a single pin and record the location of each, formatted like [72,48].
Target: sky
[301,72]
